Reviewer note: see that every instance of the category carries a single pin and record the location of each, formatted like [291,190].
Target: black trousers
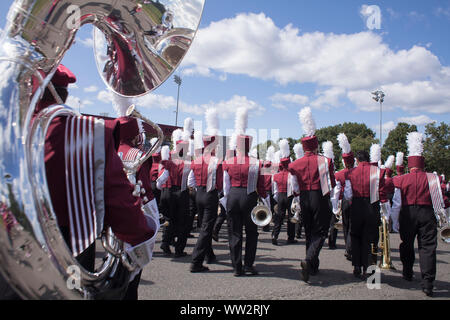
[220,219]
[176,205]
[364,231]
[239,208]
[346,226]
[284,203]
[317,213]
[193,210]
[332,236]
[419,221]
[156,193]
[207,205]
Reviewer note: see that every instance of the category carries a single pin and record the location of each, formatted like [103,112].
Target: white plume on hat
[177,135]
[389,162]
[270,153]
[414,142]
[327,148]
[343,143]
[232,143]
[165,153]
[298,150]
[307,121]
[153,142]
[241,120]
[121,104]
[285,152]
[277,157]
[212,121]
[198,140]
[375,153]
[254,153]
[399,159]
[188,129]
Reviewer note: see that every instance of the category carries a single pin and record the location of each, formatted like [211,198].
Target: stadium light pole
[378,96]
[178,81]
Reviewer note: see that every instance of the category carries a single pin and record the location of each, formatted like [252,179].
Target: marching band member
[328,152]
[155,170]
[364,187]
[242,181]
[207,176]
[298,151]
[348,158]
[315,177]
[175,172]
[399,167]
[388,177]
[131,132]
[230,153]
[283,194]
[122,210]
[417,199]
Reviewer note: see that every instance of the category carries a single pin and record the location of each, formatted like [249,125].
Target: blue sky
[279,56]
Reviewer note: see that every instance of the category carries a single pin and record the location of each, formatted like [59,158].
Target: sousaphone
[140,50]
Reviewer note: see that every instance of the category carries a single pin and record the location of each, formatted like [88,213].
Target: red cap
[284,163]
[400,170]
[243,143]
[416,162]
[310,143]
[63,76]
[129,128]
[349,159]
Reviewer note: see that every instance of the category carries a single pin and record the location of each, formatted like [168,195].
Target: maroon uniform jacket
[360,180]
[122,210]
[154,170]
[267,176]
[238,168]
[200,168]
[388,181]
[281,178]
[307,172]
[341,176]
[414,188]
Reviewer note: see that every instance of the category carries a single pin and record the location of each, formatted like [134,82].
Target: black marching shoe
[291,241]
[250,270]
[274,241]
[198,268]
[407,277]
[166,250]
[238,272]
[428,291]
[211,259]
[357,273]
[304,271]
[180,254]
[215,236]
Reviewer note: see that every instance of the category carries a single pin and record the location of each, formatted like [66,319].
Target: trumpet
[296,210]
[384,246]
[261,215]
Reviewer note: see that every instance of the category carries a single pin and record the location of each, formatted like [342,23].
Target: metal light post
[379,97]
[178,81]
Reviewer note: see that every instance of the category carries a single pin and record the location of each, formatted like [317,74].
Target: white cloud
[279,100]
[88,42]
[342,65]
[105,96]
[418,120]
[386,127]
[91,89]
[77,103]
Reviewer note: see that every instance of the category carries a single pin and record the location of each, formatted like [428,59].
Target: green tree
[396,140]
[436,148]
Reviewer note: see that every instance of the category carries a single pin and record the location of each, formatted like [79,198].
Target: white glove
[337,208]
[385,210]
[395,226]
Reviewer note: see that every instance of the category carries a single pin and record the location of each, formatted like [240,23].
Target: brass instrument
[444,226]
[338,225]
[296,210]
[261,215]
[36,261]
[384,247]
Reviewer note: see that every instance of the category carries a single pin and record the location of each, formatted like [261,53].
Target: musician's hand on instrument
[266,201]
